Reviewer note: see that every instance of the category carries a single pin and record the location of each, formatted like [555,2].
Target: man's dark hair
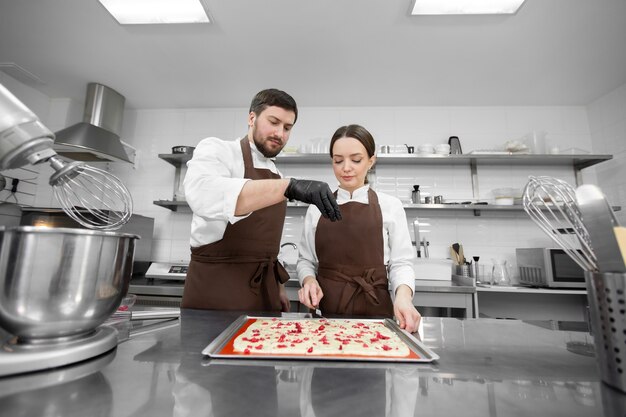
[273,97]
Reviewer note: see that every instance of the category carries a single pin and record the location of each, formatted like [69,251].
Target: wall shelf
[173,205]
[577,161]
[176,159]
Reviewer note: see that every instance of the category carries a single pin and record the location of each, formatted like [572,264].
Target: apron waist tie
[364,283]
[267,267]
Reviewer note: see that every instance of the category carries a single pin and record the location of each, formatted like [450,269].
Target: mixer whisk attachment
[551,204]
[93,197]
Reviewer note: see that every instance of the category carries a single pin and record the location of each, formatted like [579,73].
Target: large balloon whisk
[93,197]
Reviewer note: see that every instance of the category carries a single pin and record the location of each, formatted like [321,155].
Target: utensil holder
[607,311]
[463,270]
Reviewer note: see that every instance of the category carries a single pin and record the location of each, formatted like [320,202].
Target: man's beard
[260,145]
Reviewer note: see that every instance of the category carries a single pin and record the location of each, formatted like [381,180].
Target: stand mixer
[57,286]
[93,197]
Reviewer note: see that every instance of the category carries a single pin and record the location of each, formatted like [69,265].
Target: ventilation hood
[97,137]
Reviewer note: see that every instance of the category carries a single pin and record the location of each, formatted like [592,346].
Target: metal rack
[577,162]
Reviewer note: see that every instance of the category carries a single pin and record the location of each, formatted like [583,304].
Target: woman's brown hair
[359,133]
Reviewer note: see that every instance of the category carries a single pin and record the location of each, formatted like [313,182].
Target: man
[238,199]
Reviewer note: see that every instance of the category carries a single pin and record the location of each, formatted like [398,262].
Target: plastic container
[506,196]
[536,142]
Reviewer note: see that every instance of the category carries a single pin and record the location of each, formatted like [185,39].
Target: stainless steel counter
[487,367]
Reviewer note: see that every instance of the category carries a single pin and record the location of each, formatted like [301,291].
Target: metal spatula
[600,221]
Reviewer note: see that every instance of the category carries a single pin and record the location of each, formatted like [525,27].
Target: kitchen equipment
[415,194]
[56,287]
[548,267]
[426,149]
[137,225]
[428,200]
[536,142]
[474,268]
[79,187]
[171,271]
[463,270]
[438,199]
[442,149]
[605,292]
[456,253]
[97,137]
[600,223]
[455,145]
[500,273]
[385,149]
[221,346]
[416,233]
[433,269]
[25,140]
[410,149]
[505,196]
[183,149]
[551,204]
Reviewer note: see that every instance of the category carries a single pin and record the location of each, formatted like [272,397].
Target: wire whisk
[551,204]
[92,197]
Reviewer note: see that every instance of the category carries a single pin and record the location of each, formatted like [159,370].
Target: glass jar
[500,273]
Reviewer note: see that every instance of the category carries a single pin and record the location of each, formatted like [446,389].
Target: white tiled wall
[607,123]
[488,236]
[598,128]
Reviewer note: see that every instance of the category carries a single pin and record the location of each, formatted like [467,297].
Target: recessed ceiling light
[133,12]
[436,7]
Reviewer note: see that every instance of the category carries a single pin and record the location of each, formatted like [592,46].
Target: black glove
[314,192]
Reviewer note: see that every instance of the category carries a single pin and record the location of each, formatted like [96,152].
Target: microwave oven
[548,267]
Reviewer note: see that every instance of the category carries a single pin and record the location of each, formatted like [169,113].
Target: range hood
[97,137]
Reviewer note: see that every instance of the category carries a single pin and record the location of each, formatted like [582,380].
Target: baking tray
[216,349]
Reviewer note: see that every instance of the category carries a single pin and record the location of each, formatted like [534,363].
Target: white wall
[490,235]
[607,124]
[598,128]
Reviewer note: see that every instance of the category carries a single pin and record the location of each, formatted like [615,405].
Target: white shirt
[399,252]
[212,185]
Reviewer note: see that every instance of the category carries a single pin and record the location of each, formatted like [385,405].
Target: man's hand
[314,192]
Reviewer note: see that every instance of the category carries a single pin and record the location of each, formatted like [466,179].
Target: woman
[346,267]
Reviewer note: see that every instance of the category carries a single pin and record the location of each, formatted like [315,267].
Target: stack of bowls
[442,149]
[426,149]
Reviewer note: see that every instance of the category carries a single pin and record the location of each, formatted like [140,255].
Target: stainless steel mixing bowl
[58,282]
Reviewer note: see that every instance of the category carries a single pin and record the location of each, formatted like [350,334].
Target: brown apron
[352,270]
[240,271]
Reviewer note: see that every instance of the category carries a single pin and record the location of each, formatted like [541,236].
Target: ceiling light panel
[135,12]
[457,7]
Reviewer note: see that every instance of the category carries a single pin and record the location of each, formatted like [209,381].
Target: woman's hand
[284,300]
[311,293]
[404,310]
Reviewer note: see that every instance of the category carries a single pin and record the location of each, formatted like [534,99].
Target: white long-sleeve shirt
[212,185]
[399,252]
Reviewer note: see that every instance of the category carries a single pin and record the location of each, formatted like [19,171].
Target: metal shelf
[173,205]
[576,161]
[176,159]
[183,207]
